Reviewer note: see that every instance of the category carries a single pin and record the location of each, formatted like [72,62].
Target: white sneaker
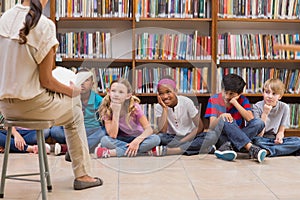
[228,155]
[48,148]
[57,149]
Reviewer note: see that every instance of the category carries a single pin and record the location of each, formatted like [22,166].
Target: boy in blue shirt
[94,130]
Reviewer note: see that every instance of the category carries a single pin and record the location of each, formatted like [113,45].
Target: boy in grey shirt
[276,115]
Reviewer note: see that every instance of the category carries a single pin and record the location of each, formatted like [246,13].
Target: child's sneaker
[57,149]
[102,152]
[228,155]
[226,152]
[2,149]
[158,151]
[154,151]
[48,148]
[226,146]
[257,153]
[35,148]
[60,149]
[212,149]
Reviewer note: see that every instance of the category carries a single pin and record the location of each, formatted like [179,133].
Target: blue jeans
[240,137]
[120,144]
[200,144]
[289,146]
[28,135]
[58,134]
[94,135]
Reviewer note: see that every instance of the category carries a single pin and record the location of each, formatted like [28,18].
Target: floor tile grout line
[190,181]
[118,187]
[262,181]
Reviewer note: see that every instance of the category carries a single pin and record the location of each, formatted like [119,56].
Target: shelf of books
[93,9]
[246,33]
[195,42]
[7,4]
[173,9]
[165,48]
[253,9]
[95,35]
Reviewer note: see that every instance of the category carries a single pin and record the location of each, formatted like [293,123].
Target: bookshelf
[7,4]
[128,48]
[238,19]
[265,23]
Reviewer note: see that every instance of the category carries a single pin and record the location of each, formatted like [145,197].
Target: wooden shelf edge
[174,19]
[93,60]
[254,20]
[171,61]
[81,62]
[94,19]
[259,61]
[209,94]
[292,132]
[182,94]
[260,95]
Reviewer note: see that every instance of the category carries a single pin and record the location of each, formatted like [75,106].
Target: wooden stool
[43,160]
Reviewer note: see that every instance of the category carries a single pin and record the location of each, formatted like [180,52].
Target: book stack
[106,75]
[173,46]
[265,9]
[255,46]
[84,45]
[255,77]
[294,116]
[173,9]
[94,8]
[188,80]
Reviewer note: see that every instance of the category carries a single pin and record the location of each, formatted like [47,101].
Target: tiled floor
[172,177]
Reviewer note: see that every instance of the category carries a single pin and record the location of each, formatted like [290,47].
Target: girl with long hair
[129,131]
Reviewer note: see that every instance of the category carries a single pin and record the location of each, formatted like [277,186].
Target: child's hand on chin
[116,107]
[267,109]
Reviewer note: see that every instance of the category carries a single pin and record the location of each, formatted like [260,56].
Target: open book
[65,75]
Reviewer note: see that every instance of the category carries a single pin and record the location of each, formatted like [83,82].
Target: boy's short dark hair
[233,83]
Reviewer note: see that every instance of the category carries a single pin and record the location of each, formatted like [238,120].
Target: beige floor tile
[210,161]
[21,190]
[285,190]
[227,176]
[200,177]
[154,191]
[162,177]
[148,164]
[107,191]
[249,190]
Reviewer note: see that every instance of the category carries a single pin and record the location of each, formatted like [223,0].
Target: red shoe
[158,151]
[102,152]
[2,149]
[154,151]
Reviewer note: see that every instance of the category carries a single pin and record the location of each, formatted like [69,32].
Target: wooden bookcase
[269,24]
[124,47]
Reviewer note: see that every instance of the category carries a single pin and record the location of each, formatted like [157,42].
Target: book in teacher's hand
[65,75]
